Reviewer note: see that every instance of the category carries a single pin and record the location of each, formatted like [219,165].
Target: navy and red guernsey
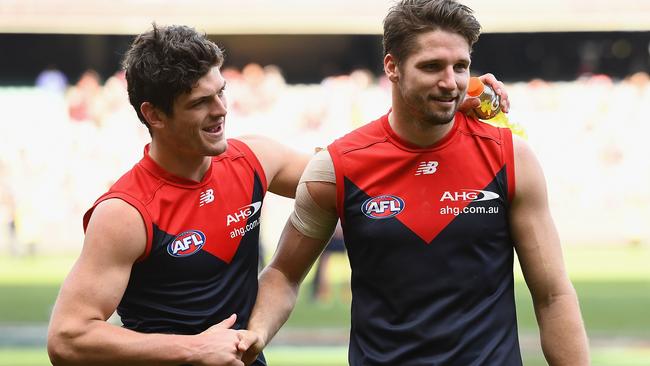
[428,239]
[201,259]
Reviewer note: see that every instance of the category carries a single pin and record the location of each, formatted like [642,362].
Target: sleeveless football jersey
[201,259]
[428,240]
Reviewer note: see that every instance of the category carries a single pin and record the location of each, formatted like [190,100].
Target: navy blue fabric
[188,295]
[447,302]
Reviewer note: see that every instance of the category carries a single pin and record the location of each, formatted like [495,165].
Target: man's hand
[219,345]
[489,79]
[251,345]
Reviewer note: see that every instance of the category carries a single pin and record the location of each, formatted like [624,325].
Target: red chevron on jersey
[435,184]
[428,239]
[212,215]
[202,251]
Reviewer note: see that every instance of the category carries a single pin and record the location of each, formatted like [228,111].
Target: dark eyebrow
[197,99]
[428,62]
[436,61]
[204,96]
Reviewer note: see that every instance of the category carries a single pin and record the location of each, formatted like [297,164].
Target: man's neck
[417,132]
[178,164]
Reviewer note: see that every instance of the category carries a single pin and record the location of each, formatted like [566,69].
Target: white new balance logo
[427,167]
[206,197]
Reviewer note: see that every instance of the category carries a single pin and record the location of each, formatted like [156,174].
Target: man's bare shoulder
[116,227]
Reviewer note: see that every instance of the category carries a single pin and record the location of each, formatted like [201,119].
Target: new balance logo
[426,168]
[206,197]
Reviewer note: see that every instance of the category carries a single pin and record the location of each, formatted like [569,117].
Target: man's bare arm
[281,279]
[78,332]
[282,165]
[562,331]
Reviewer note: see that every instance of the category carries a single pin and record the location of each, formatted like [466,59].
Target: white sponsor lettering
[242,231]
[469,210]
[243,213]
[474,195]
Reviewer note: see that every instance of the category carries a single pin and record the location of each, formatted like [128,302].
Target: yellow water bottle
[490,107]
[490,101]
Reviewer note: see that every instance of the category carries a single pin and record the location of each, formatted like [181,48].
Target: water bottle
[490,108]
[490,101]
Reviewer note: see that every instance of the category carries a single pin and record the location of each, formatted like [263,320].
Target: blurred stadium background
[305,72]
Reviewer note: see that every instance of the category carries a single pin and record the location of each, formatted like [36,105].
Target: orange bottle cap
[475,87]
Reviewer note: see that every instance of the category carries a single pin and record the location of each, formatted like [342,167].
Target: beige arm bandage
[307,217]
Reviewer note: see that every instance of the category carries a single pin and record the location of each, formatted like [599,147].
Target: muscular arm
[282,165]
[78,332]
[281,279]
[562,332]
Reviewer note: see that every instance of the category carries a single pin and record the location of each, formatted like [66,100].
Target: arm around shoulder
[282,165]
[537,243]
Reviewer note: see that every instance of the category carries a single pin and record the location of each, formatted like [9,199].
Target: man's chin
[440,118]
[217,149]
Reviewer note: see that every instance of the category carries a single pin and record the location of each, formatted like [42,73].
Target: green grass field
[613,284]
[337,356]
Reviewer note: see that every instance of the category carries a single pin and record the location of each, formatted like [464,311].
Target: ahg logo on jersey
[243,213]
[474,195]
[186,243]
[382,207]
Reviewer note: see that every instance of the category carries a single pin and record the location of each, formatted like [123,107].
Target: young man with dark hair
[173,245]
[433,204]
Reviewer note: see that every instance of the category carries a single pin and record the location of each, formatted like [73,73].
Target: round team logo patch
[186,243]
[382,207]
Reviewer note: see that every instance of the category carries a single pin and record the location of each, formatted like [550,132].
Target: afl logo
[186,243]
[382,207]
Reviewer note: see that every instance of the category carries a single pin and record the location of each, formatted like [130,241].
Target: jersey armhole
[509,160]
[251,158]
[148,223]
[340,181]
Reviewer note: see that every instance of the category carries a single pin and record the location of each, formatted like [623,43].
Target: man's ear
[153,116]
[390,68]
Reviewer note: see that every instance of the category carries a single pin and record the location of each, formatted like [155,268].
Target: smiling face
[195,127]
[432,81]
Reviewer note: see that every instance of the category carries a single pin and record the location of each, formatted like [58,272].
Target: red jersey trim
[408,146]
[509,160]
[251,158]
[146,217]
[156,170]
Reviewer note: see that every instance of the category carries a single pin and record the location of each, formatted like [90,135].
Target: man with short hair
[432,204]
[173,245]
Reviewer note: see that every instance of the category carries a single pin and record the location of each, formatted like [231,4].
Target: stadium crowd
[58,146]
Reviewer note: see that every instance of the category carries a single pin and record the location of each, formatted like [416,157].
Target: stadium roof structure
[306,16]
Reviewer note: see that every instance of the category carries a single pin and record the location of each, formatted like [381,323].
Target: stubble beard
[425,112]
[436,118]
